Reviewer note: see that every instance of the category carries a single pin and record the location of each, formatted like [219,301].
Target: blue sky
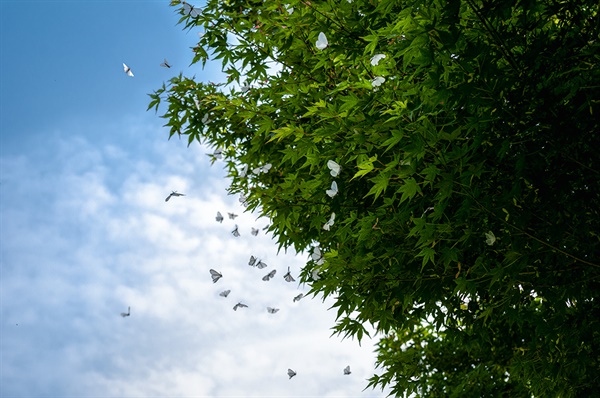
[86,231]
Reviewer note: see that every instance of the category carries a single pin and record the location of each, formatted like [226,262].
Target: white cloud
[90,234]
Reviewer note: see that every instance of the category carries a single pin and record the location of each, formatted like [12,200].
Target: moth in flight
[329,223]
[219,217]
[261,265]
[254,231]
[225,293]
[270,275]
[128,313]
[235,232]
[239,305]
[190,10]
[252,261]
[288,276]
[166,64]
[127,70]
[347,370]
[490,238]
[317,256]
[174,193]
[215,275]
[298,297]
[322,42]
[232,216]
[272,310]
[291,373]
[333,191]
[334,168]
[262,169]
[376,58]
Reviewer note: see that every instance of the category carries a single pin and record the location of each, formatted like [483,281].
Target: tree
[464,226]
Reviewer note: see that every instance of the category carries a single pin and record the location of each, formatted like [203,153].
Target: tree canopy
[462,137]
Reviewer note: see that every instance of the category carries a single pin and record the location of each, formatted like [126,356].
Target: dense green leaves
[453,122]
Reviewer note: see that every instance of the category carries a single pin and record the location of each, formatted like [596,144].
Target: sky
[86,232]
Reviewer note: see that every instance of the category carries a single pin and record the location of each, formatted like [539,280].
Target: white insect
[127,70]
[174,193]
[272,310]
[322,42]
[261,265]
[262,169]
[378,81]
[291,373]
[215,275]
[252,261]
[232,216]
[329,223]
[334,168]
[218,153]
[205,118]
[376,58]
[128,313]
[243,171]
[317,256]
[298,297]
[235,232]
[333,190]
[190,10]
[490,238]
[347,370]
[243,199]
[239,305]
[270,275]
[254,231]
[315,275]
[288,276]
[197,103]
[219,217]
[166,64]
[225,293]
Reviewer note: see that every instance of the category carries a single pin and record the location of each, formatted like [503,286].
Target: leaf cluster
[487,122]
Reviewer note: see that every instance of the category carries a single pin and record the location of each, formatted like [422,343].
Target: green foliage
[486,125]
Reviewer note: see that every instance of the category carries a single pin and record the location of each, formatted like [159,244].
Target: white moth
[376,58]
[322,42]
[334,168]
[239,305]
[225,293]
[127,70]
[219,217]
[190,10]
[333,190]
[261,265]
[243,171]
[272,310]
[298,297]
[205,118]
[235,232]
[291,373]
[490,238]
[262,169]
[197,103]
[232,216]
[254,231]
[288,276]
[128,313]
[270,275]
[215,275]
[174,193]
[347,370]
[252,261]
[317,256]
[378,81]
[218,153]
[329,223]
[166,64]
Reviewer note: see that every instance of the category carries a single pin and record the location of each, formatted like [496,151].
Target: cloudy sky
[86,232]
